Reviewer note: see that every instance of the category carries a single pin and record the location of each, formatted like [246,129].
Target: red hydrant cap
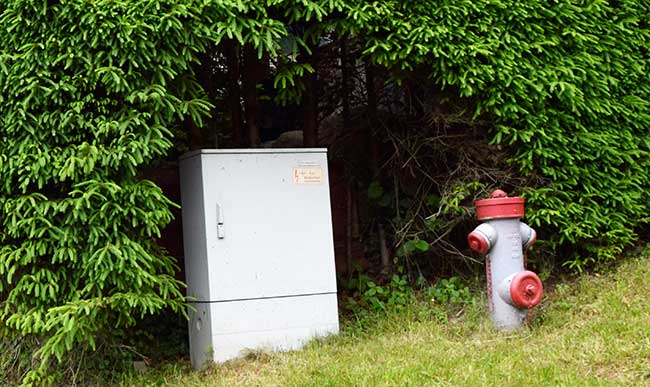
[499,206]
[526,289]
[477,242]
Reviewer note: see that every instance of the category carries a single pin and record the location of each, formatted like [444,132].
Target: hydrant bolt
[498,194]
[530,290]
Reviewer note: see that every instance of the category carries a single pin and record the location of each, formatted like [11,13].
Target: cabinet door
[268,225]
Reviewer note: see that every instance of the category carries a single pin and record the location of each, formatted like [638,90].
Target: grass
[593,331]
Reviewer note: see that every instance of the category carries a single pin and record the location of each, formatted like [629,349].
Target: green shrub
[88,93]
[566,87]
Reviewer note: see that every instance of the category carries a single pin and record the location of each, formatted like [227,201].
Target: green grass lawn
[588,332]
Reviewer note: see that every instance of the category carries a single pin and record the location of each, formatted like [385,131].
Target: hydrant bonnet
[499,206]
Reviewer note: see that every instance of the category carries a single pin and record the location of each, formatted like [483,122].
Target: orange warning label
[308,175]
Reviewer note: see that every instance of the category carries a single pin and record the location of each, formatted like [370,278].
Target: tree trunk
[345,86]
[196,138]
[232,50]
[349,231]
[310,108]
[372,111]
[253,72]
[383,250]
[373,158]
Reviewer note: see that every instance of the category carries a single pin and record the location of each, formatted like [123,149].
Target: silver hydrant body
[503,238]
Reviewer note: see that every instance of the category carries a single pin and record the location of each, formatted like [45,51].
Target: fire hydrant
[503,238]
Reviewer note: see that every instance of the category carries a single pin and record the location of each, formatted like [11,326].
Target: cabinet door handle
[221,232]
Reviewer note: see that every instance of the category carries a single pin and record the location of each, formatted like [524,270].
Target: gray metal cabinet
[259,255]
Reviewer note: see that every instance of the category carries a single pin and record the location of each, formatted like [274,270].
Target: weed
[374,297]
[450,290]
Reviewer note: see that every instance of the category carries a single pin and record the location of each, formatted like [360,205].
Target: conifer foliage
[88,93]
[565,85]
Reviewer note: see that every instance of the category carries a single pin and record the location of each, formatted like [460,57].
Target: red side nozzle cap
[499,206]
[526,289]
[477,242]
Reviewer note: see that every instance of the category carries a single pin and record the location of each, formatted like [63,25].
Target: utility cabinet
[259,254]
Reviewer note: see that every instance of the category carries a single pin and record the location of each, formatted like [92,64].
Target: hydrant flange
[499,206]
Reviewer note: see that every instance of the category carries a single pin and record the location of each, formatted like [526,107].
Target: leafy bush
[566,88]
[88,94]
